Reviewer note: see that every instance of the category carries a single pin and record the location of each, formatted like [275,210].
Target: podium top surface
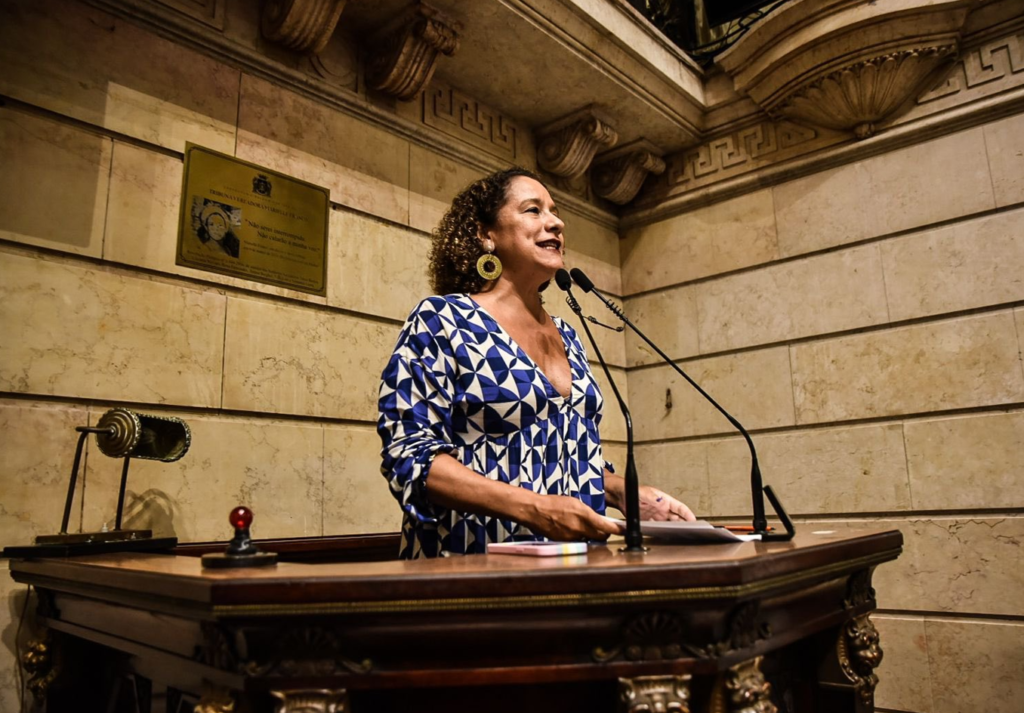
[604,575]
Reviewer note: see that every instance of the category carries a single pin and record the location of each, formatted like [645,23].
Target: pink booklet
[537,549]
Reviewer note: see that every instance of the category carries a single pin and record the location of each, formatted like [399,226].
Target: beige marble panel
[357,498]
[364,167]
[859,469]
[37,448]
[433,182]
[898,190]
[975,263]
[375,267]
[613,425]
[143,214]
[967,566]
[967,462]
[1018,321]
[904,681]
[957,565]
[829,293]
[593,248]
[91,333]
[755,387]
[1005,143]
[680,469]
[49,165]
[951,364]
[273,467]
[282,359]
[669,319]
[84,63]
[708,241]
[976,665]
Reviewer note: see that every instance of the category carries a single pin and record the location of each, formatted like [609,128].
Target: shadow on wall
[151,510]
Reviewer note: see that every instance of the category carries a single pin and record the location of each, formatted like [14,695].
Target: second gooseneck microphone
[634,537]
[760,523]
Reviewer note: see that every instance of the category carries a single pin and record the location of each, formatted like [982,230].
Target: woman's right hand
[563,518]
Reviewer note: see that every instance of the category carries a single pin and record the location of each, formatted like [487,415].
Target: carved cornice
[301,25]
[567,146]
[841,65]
[406,51]
[860,96]
[643,694]
[618,174]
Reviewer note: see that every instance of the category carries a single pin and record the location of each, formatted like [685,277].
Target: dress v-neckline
[552,391]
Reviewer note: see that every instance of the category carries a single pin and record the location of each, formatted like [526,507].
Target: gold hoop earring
[488,266]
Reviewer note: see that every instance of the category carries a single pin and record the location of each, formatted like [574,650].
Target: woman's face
[216,226]
[527,235]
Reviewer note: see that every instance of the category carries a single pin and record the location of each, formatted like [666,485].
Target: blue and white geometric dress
[457,383]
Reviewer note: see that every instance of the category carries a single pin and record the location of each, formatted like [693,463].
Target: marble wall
[865,323]
[279,386]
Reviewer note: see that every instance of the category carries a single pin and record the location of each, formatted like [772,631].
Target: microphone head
[563,280]
[581,279]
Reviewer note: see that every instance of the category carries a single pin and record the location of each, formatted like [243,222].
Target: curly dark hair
[455,247]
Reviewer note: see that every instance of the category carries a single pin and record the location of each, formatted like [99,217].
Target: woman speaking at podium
[489,412]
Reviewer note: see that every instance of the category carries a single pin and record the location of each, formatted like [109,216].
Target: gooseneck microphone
[634,538]
[760,523]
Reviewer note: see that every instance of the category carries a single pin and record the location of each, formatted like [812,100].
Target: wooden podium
[738,628]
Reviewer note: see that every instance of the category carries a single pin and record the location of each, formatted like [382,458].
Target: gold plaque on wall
[242,220]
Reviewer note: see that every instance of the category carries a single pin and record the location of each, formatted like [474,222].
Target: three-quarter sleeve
[415,410]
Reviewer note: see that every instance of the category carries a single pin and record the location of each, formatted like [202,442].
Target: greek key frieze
[462,117]
[736,150]
[991,62]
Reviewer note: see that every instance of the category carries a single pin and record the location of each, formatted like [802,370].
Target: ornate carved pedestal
[747,628]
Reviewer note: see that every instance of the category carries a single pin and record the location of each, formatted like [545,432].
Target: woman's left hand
[658,505]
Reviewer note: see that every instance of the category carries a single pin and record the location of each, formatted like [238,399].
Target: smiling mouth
[550,245]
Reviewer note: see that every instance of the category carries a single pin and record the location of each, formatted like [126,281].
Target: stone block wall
[865,323]
[279,387]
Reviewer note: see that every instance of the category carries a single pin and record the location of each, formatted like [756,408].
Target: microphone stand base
[634,550]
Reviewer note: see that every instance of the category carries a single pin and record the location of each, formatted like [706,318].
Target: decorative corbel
[567,146]
[319,700]
[301,25]
[407,49]
[860,653]
[844,66]
[643,694]
[858,97]
[618,174]
[742,689]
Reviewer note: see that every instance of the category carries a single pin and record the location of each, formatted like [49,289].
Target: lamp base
[92,543]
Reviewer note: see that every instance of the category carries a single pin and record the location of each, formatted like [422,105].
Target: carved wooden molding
[844,66]
[618,174]
[406,51]
[644,694]
[315,700]
[39,662]
[860,653]
[743,689]
[567,146]
[301,25]
[215,699]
